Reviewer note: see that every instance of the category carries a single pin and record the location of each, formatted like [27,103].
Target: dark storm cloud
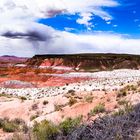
[30,35]
[52,13]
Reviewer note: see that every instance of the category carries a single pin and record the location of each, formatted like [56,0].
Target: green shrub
[45,102]
[121,93]
[9,126]
[33,117]
[71,91]
[122,102]
[134,88]
[100,108]
[45,130]
[13,125]
[5,95]
[120,112]
[72,101]
[58,107]
[130,87]
[18,121]
[23,98]
[69,124]
[124,91]
[89,99]
[128,107]
[1,122]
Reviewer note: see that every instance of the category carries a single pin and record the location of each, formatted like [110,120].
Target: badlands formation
[58,91]
[101,81]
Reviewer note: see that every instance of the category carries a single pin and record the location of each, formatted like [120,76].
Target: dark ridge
[8,56]
[85,55]
[89,61]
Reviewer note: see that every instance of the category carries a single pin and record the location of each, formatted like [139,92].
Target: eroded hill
[89,62]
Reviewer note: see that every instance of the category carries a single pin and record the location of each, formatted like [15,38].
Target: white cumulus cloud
[22,35]
[34,9]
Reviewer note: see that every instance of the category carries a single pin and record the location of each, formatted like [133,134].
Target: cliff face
[87,61]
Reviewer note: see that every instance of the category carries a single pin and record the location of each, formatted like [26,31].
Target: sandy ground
[58,107]
[16,108]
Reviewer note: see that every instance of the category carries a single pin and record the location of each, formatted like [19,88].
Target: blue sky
[29,27]
[126,20]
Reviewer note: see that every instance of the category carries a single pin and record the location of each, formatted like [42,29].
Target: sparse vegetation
[126,90]
[134,88]
[100,108]
[12,125]
[33,117]
[45,102]
[89,98]
[1,122]
[58,107]
[122,102]
[72,101]
[121,93]
[23,98]
[35,106]
[45,130]
[123,127]
[72,92]
[5,95]
[9,126]
[120,112]
[127,107]
[18,121]
[69,124]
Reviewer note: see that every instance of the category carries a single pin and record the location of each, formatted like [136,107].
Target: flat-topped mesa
[91,62]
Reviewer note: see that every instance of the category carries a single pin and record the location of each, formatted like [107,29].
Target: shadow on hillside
[123,127]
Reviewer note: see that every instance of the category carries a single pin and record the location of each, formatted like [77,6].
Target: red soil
[37,76]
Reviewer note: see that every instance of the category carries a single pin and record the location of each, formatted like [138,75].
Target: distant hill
[7,60]
[12,58]
[89,62]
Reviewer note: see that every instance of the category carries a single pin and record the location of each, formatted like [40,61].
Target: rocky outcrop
[88,62]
